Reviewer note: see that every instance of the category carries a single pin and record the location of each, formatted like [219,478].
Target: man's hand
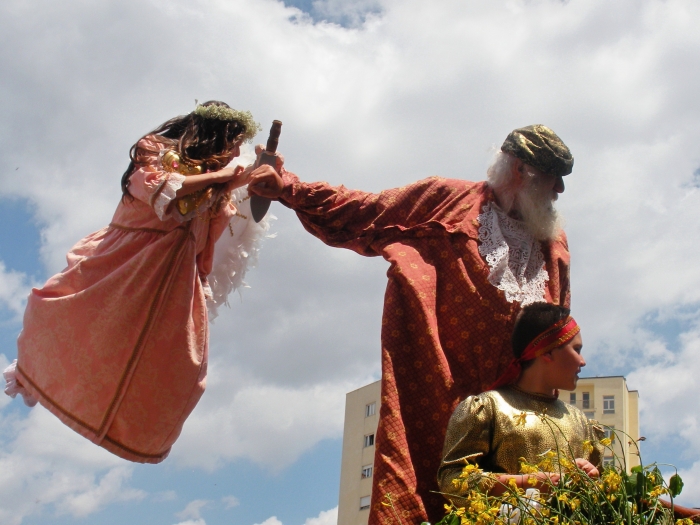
[266,182]
[587,467]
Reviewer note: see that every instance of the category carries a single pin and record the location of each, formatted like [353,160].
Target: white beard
[535,203]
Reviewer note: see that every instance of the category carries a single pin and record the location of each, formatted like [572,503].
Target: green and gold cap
[541,148]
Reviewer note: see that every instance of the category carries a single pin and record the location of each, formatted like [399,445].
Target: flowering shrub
[614,498]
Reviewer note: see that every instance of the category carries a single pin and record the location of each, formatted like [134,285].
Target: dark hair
[532,321]
[195,138]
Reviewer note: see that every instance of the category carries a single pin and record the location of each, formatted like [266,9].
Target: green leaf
[641,484]
[636,469]
[675,485]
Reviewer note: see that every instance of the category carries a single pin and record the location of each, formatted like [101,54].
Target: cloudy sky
[373,94]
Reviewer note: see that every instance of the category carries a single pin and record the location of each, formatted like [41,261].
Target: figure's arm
[468,440]
[158,188]
[355,219]
[234,176]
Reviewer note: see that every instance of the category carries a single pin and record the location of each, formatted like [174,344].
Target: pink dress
[116,344]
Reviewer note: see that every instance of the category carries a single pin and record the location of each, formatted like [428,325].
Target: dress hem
[111,445]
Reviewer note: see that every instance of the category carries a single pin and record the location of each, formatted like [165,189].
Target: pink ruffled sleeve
[150,184]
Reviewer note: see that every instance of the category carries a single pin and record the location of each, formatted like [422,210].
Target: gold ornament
[172,162]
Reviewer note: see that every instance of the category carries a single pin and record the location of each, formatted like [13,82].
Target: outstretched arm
[357,220]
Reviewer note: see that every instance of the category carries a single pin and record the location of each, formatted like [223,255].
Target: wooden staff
[259,205]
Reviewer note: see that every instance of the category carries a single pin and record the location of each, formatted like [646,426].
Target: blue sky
[373,94]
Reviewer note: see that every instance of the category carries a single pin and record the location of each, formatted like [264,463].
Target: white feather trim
[236,250]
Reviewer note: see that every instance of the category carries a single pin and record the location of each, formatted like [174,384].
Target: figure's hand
[279,158]
[228,174]
[587,467]
[266,182]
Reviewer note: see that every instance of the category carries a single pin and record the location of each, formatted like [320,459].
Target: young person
[116,344]
[497,428]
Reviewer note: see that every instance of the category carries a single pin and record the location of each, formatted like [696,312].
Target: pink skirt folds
[116,345]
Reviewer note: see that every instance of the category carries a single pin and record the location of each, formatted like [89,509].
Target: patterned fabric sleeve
[150,184]
[355,219]
[468,439]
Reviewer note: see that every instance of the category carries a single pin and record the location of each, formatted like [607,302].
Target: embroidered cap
[541,148]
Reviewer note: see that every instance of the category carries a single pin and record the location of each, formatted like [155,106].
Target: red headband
[553,337]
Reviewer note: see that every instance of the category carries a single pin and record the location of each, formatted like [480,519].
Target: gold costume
[496,428]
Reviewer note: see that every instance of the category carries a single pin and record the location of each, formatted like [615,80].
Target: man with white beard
[465,257]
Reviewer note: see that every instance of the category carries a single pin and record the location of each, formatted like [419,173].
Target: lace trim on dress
[14,387]
[236,251]
[166,194]
[513,255]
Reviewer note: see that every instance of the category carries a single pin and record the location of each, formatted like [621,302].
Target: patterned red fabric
[445,329]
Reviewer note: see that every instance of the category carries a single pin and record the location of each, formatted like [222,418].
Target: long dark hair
[532,321]
[195,138]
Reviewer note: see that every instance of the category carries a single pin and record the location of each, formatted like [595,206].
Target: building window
[369,440]
[589,415]
[364,502]
[586,399]
[608,404]
[367,471]
[370,409]
[608,461]
[572,398]
[610,433]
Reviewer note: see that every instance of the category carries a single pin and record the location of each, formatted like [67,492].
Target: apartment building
[606,399]
[610,402]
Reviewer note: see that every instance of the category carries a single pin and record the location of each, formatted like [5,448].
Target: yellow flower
[606,442]
[656,492]
[575,503]
[587,447]
[527,468]
[563,498]
[520,419]
[566,463]
[611,481]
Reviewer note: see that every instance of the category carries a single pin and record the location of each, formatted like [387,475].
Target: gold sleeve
[467,439]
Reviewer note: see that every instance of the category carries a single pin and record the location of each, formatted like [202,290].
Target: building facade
[614,406]
[357,464]
[605,399]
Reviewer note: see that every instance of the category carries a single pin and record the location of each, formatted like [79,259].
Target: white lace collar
[513,255]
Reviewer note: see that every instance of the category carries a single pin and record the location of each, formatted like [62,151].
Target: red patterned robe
[445,329]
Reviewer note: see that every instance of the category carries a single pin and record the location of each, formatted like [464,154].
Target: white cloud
[665,389]
[109,489]
[192,522]
[230,502]
[691,490]
[192,510]
[4,400]
[268,424]
[14,288]
[45,464]
[326,517]
[271,521]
